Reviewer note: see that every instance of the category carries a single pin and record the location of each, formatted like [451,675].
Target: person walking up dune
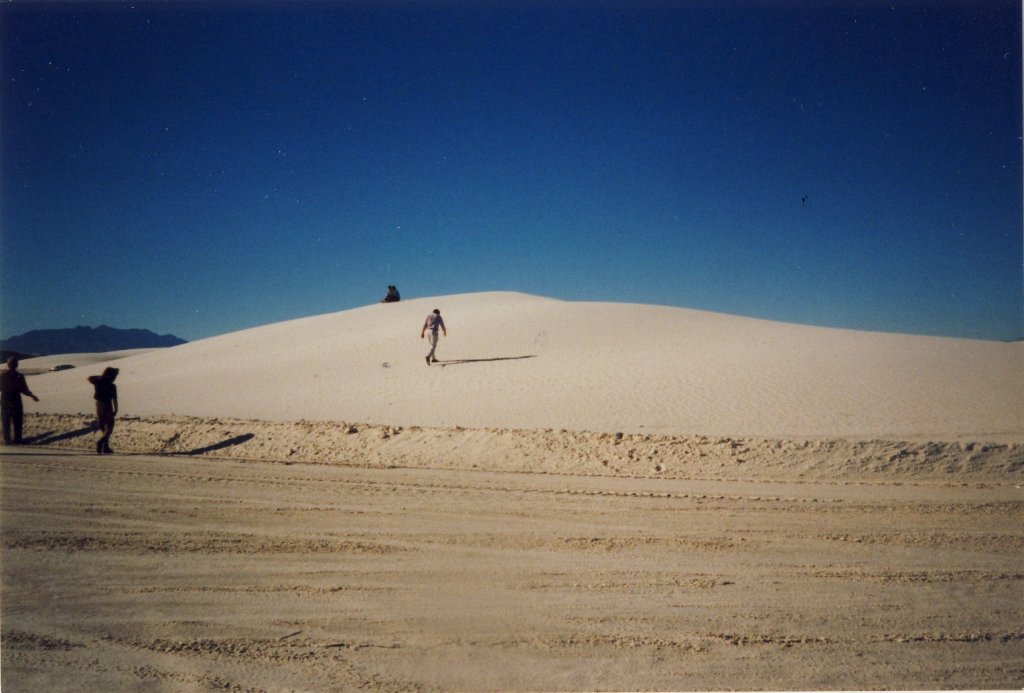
[434,322]
[106,406]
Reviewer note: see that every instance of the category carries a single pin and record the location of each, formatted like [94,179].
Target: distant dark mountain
[86,340]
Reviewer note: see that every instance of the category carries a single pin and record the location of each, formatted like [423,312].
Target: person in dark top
[12,387]
[392,296]
[106,406]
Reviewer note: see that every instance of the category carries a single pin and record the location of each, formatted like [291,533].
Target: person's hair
[110,373]
[437,312]
[12,362]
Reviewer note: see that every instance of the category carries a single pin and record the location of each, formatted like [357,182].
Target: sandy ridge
[544,450]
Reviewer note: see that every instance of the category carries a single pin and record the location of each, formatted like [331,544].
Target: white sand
[584,496]
[156,573]
[43,364]
[518,361]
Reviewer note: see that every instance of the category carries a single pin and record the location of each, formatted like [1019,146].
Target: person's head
[110,373]
[12,363]
[437,312]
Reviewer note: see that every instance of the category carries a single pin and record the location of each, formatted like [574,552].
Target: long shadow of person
[457,362]
[54,437]
[230,442]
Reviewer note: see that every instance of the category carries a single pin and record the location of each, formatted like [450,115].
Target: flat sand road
[144,573]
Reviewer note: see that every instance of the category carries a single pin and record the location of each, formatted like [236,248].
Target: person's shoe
[428,360]
[99,448]
[108,451]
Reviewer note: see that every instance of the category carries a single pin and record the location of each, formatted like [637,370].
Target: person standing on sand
[12,387]
[106,406]
[434,322]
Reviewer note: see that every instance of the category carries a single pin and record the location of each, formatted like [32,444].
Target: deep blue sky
[203,168]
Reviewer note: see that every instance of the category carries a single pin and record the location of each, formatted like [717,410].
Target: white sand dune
[520,361]
[42,364]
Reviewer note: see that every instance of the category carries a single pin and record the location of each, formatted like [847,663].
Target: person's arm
[423,330]
[25,391]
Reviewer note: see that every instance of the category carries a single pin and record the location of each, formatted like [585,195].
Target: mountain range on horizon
[84,339]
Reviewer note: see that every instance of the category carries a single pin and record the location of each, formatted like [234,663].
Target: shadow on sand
[457,362]
[53,436]
[237,440]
